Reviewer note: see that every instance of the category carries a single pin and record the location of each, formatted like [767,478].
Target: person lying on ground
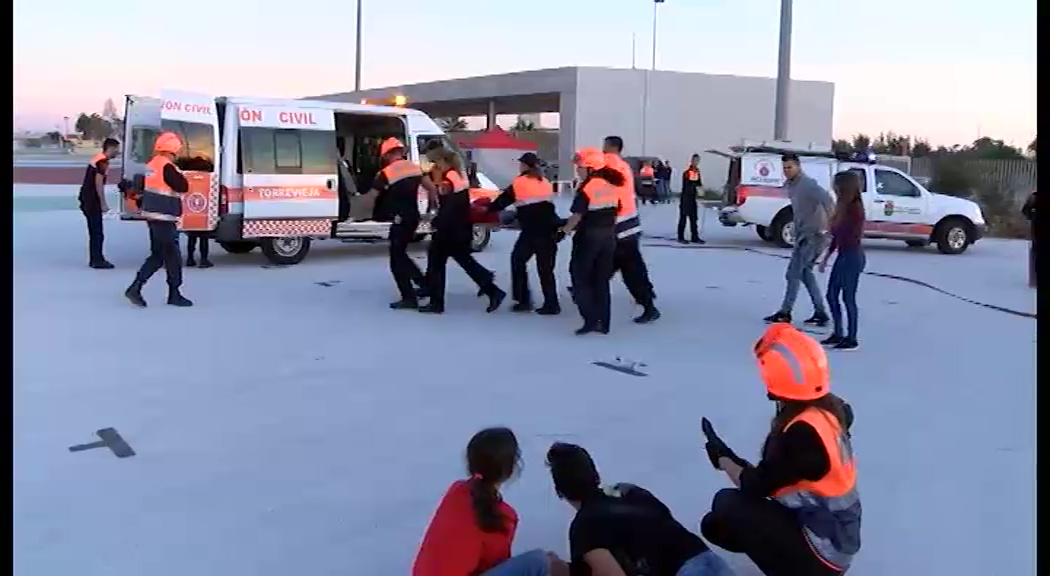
[797,512]
[472,530]
[623,530]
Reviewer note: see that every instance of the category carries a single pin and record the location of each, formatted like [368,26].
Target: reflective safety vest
[828,509]
[601,195]
[528,190]
[692,174]
[627,222]
[159,202]
[401,169]
[647,174]
[459,183]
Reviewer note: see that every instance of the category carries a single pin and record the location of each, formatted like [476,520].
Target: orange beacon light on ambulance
[263,172]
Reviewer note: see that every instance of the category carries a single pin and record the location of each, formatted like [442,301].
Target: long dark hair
[788,410]
[847,195]
[493,457]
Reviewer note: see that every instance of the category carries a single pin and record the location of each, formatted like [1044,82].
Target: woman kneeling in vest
[797,512]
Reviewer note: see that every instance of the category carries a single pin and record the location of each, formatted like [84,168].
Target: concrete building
[666,114]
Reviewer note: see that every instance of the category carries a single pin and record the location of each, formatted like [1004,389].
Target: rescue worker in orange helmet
[453,232]
[161,205]
[533,198]
[93,201]
[593,226]
[628,260]
[797,512]
[394,195]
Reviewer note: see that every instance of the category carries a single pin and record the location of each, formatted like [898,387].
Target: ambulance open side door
[195,119]
[288,165]
[141,126]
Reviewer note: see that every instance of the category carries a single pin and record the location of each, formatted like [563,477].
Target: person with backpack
[472,530]
[623,530]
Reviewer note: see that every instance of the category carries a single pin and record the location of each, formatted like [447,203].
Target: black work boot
[648,315]
[587,328]
[521,307]
[175,298]
[682,241]
[784,317]
[191,262]
[432,308]
[101,265]
[404,304]
[496,297]
[818,320]
[134,293]
[699,241]
[549,310]
[205,263]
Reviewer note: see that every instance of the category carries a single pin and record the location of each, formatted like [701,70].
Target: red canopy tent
[496,152]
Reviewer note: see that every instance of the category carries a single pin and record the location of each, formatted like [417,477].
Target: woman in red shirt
[473,528]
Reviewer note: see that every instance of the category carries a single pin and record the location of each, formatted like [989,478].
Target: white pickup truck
[897,207]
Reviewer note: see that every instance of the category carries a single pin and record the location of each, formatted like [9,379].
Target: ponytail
[485,500]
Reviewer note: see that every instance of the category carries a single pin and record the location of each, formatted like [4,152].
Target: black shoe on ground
[833,340]
[682,241]
[784,317]
[431,308]
[496,297]
[586,329]
[699,241]
[191,263]
[648,315]
[817,320]
[101,265]
[134,293]
[177,299]
[404,305]
[206,264]
[546,310]
[521,307]
[847,344]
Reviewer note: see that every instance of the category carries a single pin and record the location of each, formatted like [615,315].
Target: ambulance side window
[274,151]
[198,144]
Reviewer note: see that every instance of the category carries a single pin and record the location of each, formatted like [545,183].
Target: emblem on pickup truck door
[889,208]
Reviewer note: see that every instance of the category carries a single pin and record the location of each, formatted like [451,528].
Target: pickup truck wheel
[285,251]
[763,233]
[916,243]
[238,246]
[782,230]
[953,236]
[479,240]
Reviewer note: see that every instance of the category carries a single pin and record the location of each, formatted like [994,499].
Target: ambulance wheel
[238,246]
[285,251]
[480,239]
[763,233]
[782,231]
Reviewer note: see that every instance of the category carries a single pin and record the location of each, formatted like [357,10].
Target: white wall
[690,113]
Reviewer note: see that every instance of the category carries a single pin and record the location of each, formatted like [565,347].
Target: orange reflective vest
[829,509]
[399,170]
[528,190]
[646,173]
[159,202]
[459,183]
[601,195]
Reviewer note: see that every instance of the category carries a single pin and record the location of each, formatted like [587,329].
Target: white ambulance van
[896,206]
[263,172]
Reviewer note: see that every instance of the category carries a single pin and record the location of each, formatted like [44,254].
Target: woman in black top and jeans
[847,228]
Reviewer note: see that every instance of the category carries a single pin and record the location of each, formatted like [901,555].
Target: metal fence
[1015,177]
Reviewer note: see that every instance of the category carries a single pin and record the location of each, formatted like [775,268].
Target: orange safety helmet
[591,158]
[168,142]
[388,145]
[793,365]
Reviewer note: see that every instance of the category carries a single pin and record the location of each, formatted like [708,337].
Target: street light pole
[780,113]
[645,87]
[357,53]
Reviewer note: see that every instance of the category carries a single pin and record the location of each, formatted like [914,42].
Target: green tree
[861,142]
[93,127]
[1031,147]
[452,124]
[523,125]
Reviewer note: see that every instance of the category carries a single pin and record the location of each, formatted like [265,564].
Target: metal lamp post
[645,88]
[357,54]
[780,113]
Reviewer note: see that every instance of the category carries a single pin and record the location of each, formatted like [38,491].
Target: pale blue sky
[946,70]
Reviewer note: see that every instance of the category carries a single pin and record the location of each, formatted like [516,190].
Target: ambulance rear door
[288,163]
[141,126]
[194,118]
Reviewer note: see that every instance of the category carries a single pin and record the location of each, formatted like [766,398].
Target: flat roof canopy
[532,92]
